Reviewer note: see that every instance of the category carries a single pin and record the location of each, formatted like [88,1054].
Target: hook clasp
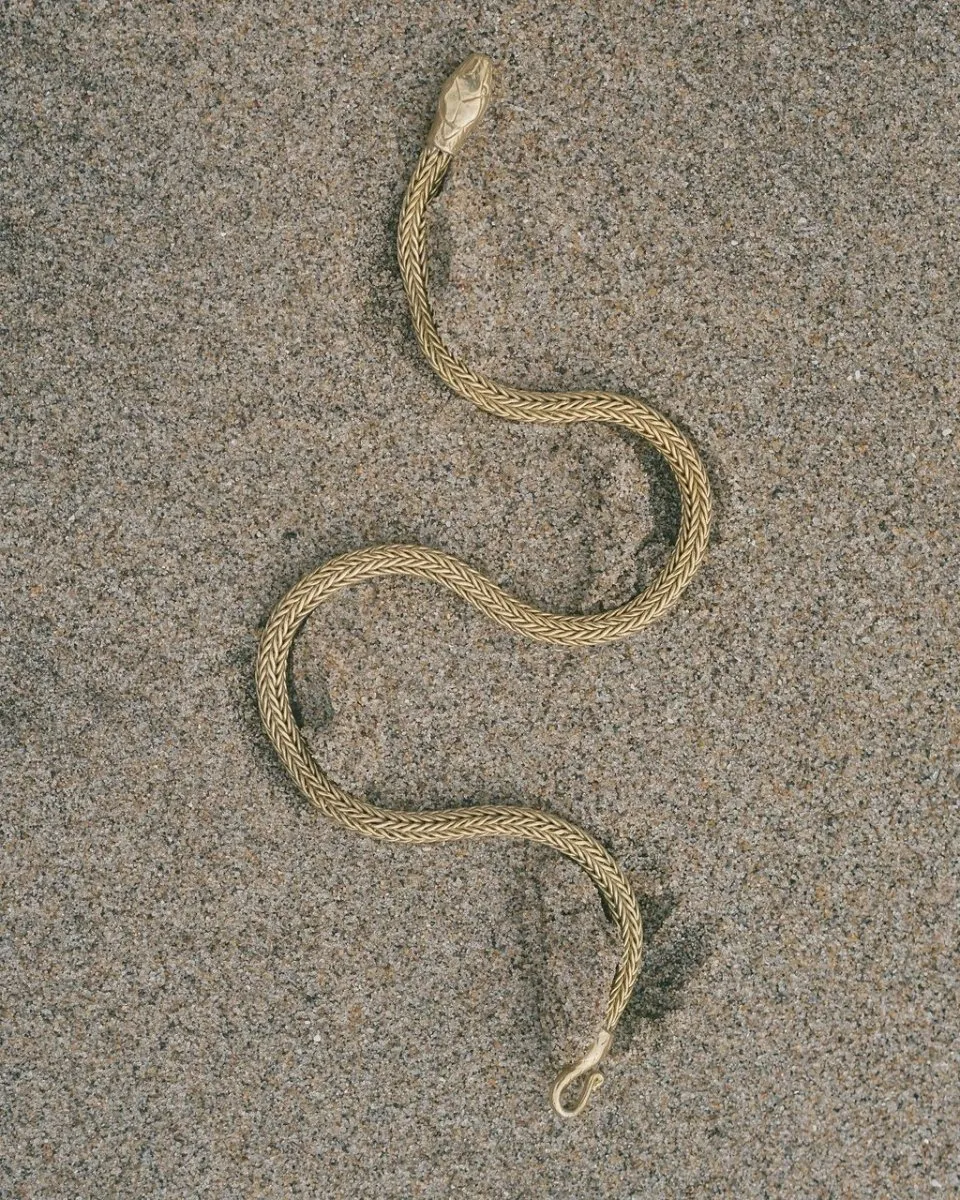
[587,1064]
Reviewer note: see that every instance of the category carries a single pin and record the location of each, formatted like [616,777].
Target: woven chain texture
[424,563]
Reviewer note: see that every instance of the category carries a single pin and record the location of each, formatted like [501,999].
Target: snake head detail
[462,102]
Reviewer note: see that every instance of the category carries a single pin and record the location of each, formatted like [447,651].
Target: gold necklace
[462,102]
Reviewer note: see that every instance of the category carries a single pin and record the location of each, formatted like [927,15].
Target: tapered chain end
[585,1069]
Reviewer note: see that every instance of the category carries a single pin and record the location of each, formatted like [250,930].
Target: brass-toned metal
[590,1061]
[463,99]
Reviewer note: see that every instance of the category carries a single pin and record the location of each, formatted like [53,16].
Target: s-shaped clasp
[587,1064]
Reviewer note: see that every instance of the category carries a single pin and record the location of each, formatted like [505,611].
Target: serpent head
[462,102]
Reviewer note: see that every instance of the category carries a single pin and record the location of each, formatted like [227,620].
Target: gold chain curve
[462,101]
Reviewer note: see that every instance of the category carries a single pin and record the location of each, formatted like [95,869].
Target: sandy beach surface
[745,213]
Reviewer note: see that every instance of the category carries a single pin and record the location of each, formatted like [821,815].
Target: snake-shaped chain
[462,103]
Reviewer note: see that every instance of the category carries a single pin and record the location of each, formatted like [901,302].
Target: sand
[747,214]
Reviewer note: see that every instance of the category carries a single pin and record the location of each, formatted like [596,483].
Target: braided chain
[425,563]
